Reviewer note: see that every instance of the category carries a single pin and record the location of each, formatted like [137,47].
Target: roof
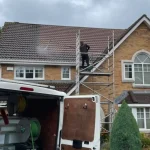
[137,97]
[35,42]
[125,34]
[127,30]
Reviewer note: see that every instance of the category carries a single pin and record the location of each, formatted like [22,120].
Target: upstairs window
[142,69]
[65,73]
[128,71]
[29,73]
[137,71]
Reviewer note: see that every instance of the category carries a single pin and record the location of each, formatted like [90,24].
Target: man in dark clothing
[84,53]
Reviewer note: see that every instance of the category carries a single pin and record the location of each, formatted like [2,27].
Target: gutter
[30,62]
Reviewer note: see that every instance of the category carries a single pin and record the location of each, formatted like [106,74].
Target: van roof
[29,87]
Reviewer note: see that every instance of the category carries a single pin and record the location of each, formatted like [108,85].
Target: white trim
[0,71]
[144,119]
[144,19]
[123,62]
[133,58]
[134,112]
[140,51]
[144,130]
[34,68]
[32,62]
[136,105]
[141,85]
[145,127]
[96,141]
[62,73]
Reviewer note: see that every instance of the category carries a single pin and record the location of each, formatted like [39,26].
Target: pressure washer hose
[34,131]
[31,136]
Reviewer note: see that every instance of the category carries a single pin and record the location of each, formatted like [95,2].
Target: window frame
[143,72]
[123,62]
[62,73]
[134,112]
[24,74]
[124,79]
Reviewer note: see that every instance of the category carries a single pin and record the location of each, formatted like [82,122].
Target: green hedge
[145,140]
[125,132]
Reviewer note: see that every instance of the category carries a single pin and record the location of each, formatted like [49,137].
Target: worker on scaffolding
[84,53]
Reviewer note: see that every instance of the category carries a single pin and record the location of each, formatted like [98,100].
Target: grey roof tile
[21,41]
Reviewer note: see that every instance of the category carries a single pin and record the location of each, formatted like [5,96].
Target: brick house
[46,54]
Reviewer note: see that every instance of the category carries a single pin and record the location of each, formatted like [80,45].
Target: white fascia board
[113,49]
[29,62]
[144,19]
[136,105]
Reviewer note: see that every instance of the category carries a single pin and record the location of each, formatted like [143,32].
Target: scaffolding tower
[94,70]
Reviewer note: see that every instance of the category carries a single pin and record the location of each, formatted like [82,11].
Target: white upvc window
[137,71]
[65,73]
[142,116]
[142,69]
[128,73]
[29,73]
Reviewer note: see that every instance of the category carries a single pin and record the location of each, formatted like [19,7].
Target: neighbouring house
[46,54]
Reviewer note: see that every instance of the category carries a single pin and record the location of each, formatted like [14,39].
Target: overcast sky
[89,13]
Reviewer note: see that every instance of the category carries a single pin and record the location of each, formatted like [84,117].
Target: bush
[145,140]
[104,137]
[105,146]
[125,132]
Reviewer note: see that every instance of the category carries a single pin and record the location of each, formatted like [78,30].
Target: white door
[80,123]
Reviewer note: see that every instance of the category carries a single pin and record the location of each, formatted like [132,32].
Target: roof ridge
[52,25]
[127,30]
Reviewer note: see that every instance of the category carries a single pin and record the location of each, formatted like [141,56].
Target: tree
[125,133]
[1,28]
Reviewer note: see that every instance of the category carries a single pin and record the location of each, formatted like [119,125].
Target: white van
[66,122]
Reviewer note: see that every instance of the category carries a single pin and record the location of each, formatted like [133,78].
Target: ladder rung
[98,83]
[96,73]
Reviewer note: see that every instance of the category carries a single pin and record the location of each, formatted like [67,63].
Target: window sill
[29,79]
[144,130]
[65,79]
[128,80]
[141,86]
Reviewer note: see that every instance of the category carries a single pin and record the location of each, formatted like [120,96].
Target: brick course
[7,74]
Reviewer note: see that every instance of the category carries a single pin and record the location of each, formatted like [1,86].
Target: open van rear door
[81,123]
